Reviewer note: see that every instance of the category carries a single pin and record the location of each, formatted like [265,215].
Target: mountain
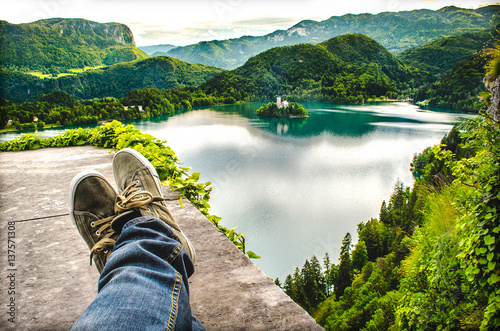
[112,81]
[396,31]
[452,69]
[347,68]
[163,48]
[56,45]
[457,89]
[441,55]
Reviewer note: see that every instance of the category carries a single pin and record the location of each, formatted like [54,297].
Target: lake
[295,187]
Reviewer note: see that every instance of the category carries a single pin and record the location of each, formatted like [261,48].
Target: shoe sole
[72,188]
[154,173]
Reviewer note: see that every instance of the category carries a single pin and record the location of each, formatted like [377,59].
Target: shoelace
[132,197]
[105,245]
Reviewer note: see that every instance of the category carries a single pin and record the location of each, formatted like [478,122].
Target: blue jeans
[144,285]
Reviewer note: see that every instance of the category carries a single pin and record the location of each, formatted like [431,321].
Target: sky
[184,22]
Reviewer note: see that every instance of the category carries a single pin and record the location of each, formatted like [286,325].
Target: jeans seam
[175,298]
[137,220]
[174,254]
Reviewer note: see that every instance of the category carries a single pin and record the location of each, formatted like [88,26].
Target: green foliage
[431,168]
[293,109]
[359,256]
[26,141]
[118,136]
[366,305]
[57,45]
[349,68]
[479,209]
[440,56]
[396,31]
[307,286]
[434,285]
[114,81]
[165,101]
[123,54]
[458,89]
[59,98]
[375,235]
[493,66]
[345,272]
[451,278]
[60,107]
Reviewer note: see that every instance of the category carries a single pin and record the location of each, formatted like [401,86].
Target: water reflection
[294,187]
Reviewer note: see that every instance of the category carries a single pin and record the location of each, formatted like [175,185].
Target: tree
[313,282]
[327,274]
[298,294]
[359,256]
[288,285]
[277,282]
[373,234]
[345,274]
[383,213]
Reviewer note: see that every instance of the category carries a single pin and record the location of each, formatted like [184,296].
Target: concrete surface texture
[47,281]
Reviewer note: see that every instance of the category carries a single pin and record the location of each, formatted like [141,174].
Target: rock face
[84,31]
[63,44]
[494,109]
[89,29]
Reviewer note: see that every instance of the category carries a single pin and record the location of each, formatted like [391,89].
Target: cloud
[147,34]
[270,21]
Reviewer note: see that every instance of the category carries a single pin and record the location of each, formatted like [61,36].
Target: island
[282,109]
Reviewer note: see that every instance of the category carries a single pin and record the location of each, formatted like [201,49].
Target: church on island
[281,104]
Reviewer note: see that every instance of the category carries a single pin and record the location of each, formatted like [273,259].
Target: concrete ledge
[54,282]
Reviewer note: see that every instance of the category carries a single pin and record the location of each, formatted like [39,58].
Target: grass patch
[39,74]
[65,74]
[62,74]
[79,70]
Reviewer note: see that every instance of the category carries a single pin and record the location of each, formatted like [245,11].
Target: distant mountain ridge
[58,44]
[163,48]
[396,31]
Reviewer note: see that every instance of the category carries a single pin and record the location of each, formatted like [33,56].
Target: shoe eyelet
[105,252]
[139,189]
[138,181]
[142,195]
[97,233]
[149,209]
[92,224]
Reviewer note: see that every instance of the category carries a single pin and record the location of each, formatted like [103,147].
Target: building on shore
[281,104]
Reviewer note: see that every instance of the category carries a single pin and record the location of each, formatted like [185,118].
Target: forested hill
[113,81]
[454,68]
[347,68]
[56,45]
[461,88]
[396,31]
[441,55]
